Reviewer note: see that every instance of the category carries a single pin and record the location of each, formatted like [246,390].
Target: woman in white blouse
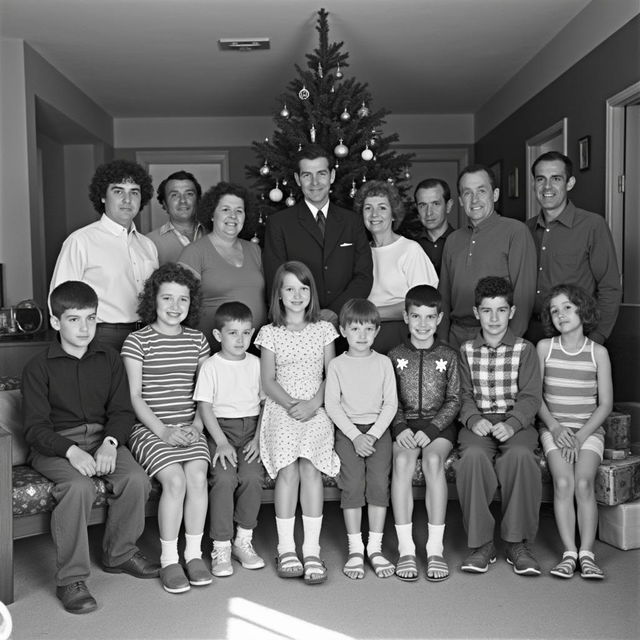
[398,263]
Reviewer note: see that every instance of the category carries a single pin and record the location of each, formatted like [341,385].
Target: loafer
[479,559]
[173,579]
[75,598]
[138,566]
[199,575]
[524,564]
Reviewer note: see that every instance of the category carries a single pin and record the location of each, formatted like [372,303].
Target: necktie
[322,221]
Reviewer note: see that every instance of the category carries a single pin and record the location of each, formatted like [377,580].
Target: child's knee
[584,488]
[563,485]
[174,484]
[79,489]
[432,463]
[404,464]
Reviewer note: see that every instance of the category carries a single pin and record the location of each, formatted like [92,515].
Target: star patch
[401,363]
[441,365]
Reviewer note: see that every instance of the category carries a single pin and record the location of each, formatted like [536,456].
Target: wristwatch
[111,440]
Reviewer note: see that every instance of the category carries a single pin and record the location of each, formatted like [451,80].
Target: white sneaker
[246,555]
[221,562]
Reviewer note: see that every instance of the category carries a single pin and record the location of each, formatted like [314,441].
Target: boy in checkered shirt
[501,389]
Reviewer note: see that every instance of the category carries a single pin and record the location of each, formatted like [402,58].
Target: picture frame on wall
[514,191]
[584,153]
[496,168]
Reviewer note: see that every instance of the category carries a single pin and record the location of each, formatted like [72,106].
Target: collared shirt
[112,260]
[496,247]
[500,380]
[61,391]
[314,209]
[434,248]
[170,242]
[577,248]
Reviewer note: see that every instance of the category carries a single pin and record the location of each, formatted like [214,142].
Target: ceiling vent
[244,44]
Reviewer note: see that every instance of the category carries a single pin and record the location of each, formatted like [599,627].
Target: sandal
[382,567]
[352,569]
[589,569]
[565,568]
[315,571]
[288,565]
[407,568]
[437,564]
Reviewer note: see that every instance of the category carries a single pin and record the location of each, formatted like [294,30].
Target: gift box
[618,481]
[617,431]
[620,525]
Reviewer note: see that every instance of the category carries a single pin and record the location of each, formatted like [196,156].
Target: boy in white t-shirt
[230,396]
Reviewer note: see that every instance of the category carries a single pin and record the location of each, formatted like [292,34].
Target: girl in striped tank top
[577,397]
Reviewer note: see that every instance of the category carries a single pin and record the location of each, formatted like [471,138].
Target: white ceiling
[144,58]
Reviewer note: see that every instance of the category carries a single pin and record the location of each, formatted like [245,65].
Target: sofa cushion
[11,420]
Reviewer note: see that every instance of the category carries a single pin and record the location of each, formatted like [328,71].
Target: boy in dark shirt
[77,420]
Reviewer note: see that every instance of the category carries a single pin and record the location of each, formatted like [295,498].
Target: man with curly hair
[110,254]
[179,195]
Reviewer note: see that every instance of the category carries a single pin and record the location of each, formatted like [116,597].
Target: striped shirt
[570,384]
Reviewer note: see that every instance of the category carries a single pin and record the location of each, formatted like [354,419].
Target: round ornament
[265,170]
[341,150]
[285,112]
[339,73]
[363,111]
[367,154]
[285,182]
[407,175]
[275,195]
[290,201]
[303,94]
[255,239]
[345,116]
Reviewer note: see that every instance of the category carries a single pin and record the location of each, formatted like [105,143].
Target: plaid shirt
[503,380]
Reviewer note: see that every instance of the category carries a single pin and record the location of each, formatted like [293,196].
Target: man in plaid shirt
[500,388]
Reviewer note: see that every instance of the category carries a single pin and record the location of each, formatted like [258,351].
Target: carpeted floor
[257,605]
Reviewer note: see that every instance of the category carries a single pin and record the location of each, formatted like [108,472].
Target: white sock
[374,544]
[435,547]
[168,552]
[286,542]
[405,539]
[355,543]
[193,546]
[311,542]
[586,553]
[243,534]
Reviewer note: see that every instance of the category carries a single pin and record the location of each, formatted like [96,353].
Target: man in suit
[330,240]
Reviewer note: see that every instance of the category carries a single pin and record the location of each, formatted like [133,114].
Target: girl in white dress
[296,440]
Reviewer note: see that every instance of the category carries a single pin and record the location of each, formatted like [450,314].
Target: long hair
[277,312]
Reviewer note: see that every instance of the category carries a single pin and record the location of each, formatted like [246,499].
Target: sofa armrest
[6,518]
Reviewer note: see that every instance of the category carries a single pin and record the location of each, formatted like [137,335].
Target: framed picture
[496,168]
[514,191]
[584,153]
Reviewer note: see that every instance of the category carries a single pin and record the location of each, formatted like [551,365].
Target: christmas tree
[324,107]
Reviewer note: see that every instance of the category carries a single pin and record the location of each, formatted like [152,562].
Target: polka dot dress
[299,357]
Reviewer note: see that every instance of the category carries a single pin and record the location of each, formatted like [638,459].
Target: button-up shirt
[577,248]
[170,242]
[112,260]
[434,248]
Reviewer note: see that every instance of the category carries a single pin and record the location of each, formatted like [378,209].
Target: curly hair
[170,272]
[585,303]
[115,172]
[382,189]
[177,175]
[493,287]
[277,312]
[211,198]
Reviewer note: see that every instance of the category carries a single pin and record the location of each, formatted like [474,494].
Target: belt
[128,326]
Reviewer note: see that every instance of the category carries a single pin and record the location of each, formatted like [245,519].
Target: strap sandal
[382,567]
[288,565]
[354,566]
[437,565]
[565,568]
[589,569]
[315,571]
[407,568]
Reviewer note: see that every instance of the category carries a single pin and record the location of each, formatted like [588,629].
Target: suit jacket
[342,265]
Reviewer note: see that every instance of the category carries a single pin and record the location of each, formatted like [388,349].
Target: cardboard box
[618,481]
[620,525]
[617,431]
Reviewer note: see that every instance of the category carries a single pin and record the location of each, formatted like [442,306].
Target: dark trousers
[485,464]
[236,492]
[128,490]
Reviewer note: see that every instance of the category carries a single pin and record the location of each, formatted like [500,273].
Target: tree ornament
[260,219]
[339,73]
[300,146]
[363,111]
[353,191]
[320,71]
[336,166]
[407,175]
[266,140]
[275,195]
[367,154]
[255,238]
[285,182]
[345,116]
[264,169]
[364,178]
[285,112]
[341,150]
[333,89]
[390,180]
[290,201]
[303,94]
[312,133]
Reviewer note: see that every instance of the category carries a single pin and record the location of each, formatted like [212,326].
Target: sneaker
[524,564]
[479,559]
[221,562]
[173,578]
[246,555]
